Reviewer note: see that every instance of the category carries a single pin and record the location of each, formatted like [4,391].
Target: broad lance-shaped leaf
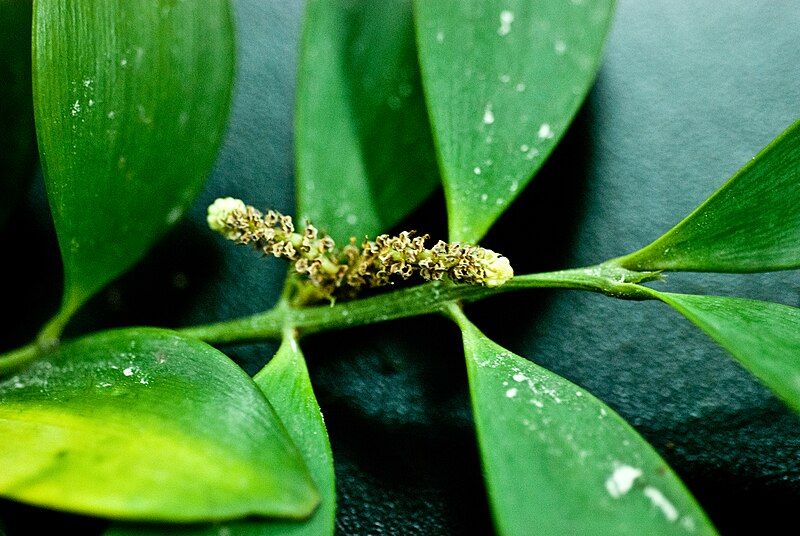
[144,424]
[751,224]
[764,337]
[131,100]
[16,115]
[503,81]
[287,386]
[365,157]
[558,461]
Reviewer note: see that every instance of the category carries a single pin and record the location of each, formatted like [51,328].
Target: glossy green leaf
[558,461]
[145,424]
[365,157]
[131,100]
[286,384]
[764,337]
[17,143]
[751,224]
[503,81]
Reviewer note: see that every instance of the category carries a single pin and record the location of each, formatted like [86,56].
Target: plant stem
[433,297]
[436,297]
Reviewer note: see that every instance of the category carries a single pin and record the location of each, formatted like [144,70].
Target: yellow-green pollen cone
[346,271]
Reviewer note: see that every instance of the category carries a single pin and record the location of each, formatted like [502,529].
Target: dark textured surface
[688,92]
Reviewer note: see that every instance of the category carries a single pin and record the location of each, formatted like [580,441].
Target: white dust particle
[76,108]
[621,480]
[511,393]
[545,132]
[477,170]
[506,18]
[524,148]
[484,197]
[488,115]
[128,371]
[661,502]
[519,377]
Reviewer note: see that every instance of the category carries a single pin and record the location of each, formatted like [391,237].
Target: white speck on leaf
[484,197]
[128,371]
[506,18]
[504,78]
[661,502]
[477,170]
[76,108]
[560,47]
[520,87]
[352,219]
[488,115]
[511,393]
[519,377]
[524,148]
[621,480]
[545,132]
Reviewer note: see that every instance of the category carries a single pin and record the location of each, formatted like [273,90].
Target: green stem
[17,358]
[436,297]
[433,297]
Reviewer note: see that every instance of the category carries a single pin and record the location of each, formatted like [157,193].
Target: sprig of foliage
[211,444]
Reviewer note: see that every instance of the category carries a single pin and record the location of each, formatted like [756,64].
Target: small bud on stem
[346,271]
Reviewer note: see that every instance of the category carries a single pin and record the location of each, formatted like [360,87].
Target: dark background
[689,90]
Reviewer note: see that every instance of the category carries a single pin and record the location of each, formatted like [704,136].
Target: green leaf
[16,118]
[751,224]
[503,81]
[287,386]
[558,461]
[764,337]
[144,424]
[131,100]
[365,157]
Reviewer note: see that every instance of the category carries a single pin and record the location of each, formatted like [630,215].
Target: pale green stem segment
[429,298]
